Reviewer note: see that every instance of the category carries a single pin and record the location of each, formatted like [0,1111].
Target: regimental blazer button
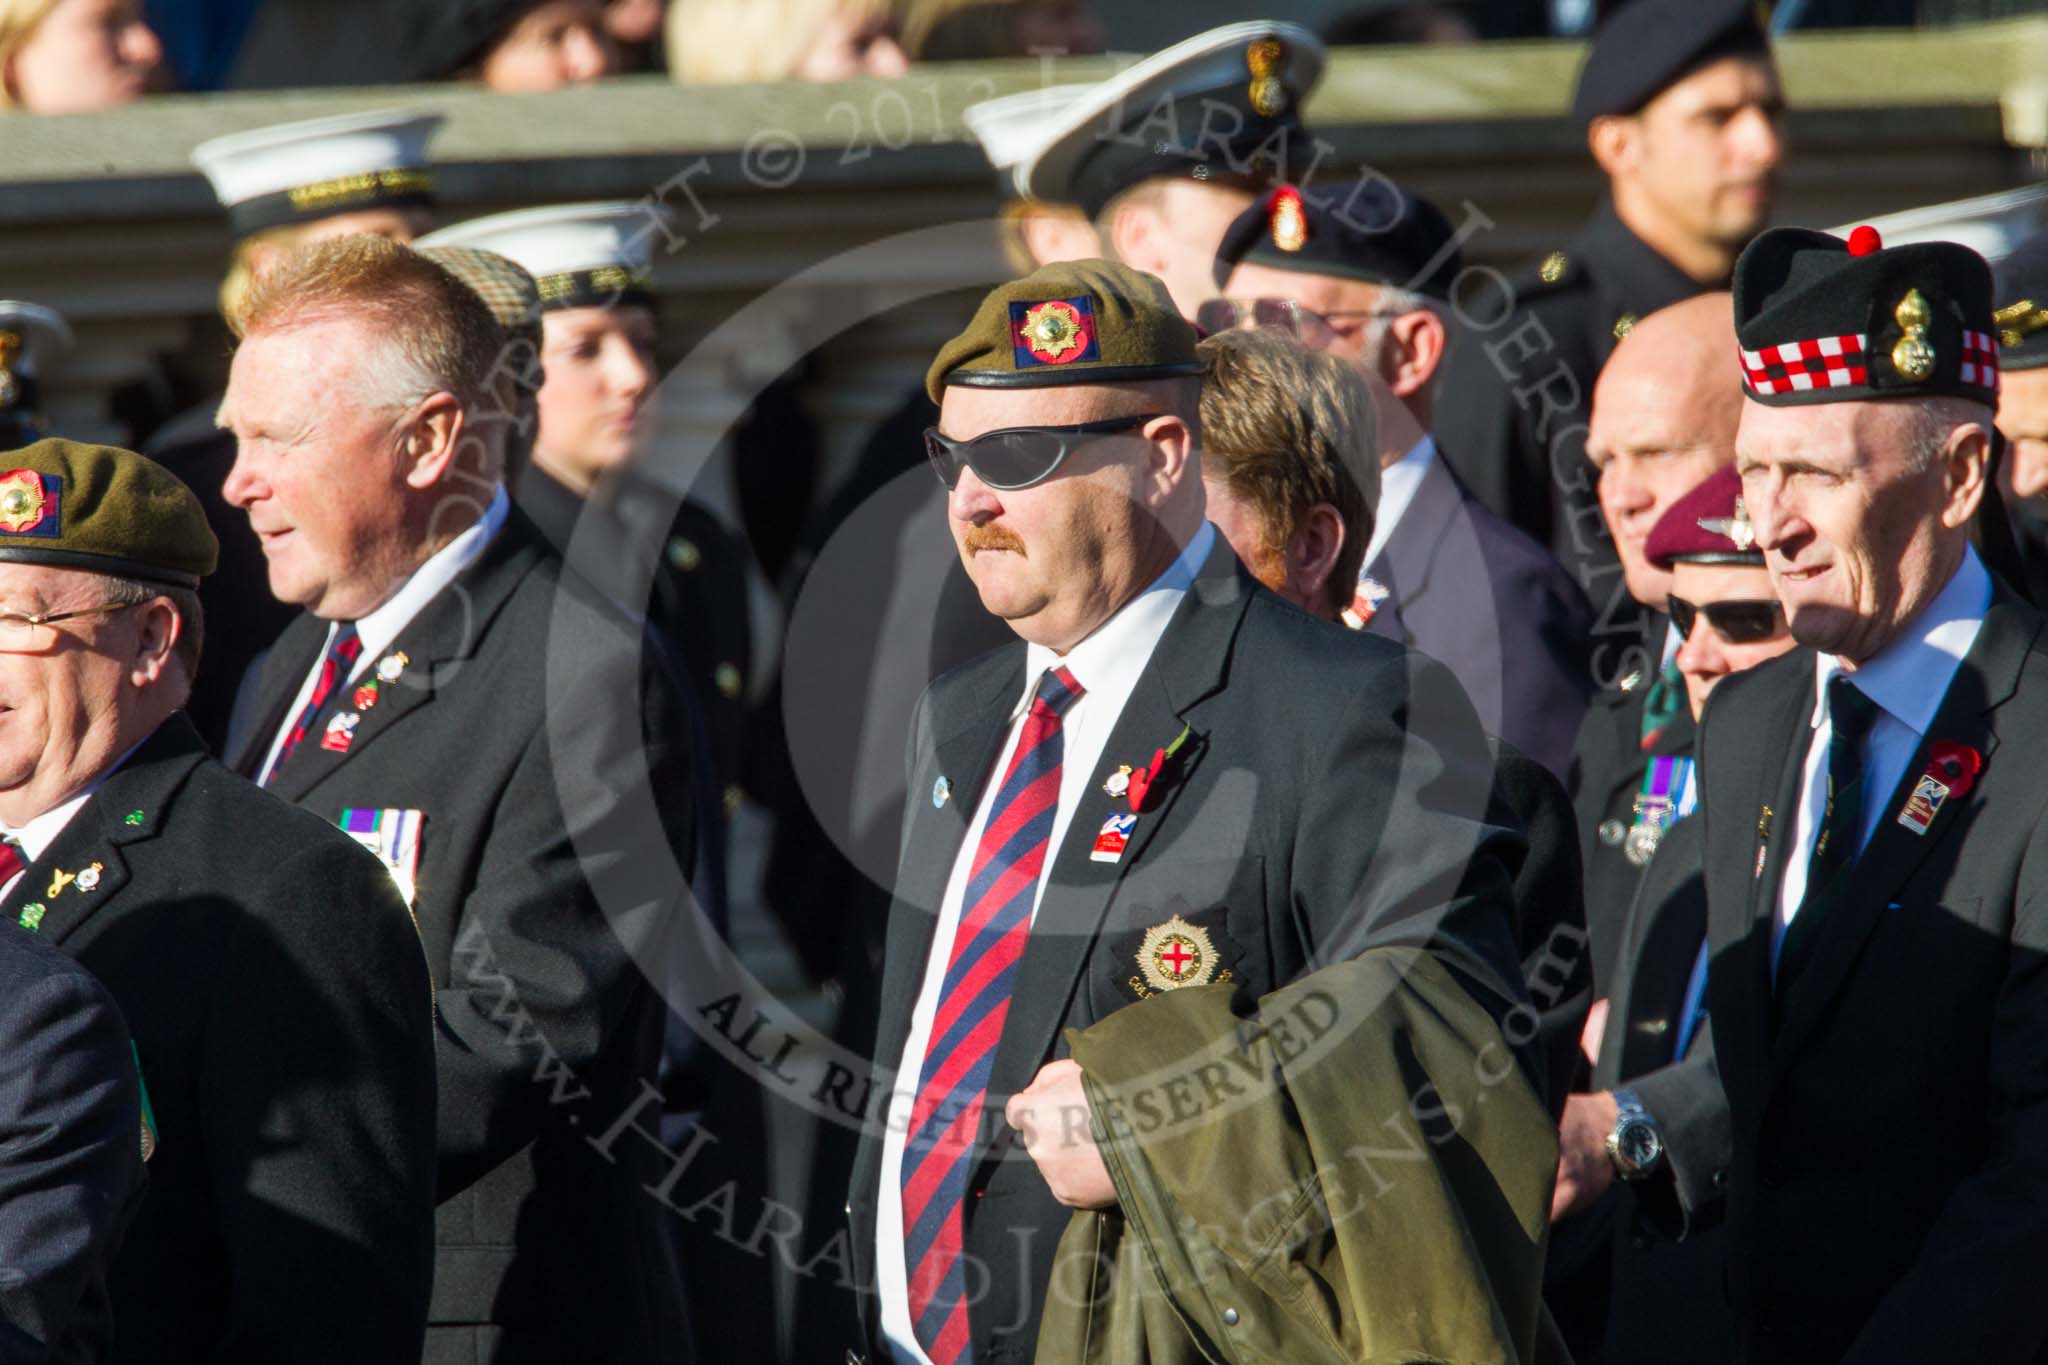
[1612,832]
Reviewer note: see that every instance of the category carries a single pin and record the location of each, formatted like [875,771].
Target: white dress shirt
[381,628]
[1107,665]
[1398,483]
[1907,679]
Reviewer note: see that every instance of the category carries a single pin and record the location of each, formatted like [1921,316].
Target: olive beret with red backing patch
[1076,322]
[1823,320]
[103,510]
[1709,525]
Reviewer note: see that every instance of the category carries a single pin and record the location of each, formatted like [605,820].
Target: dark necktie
[1851,715]
[342,652]
[946,1119]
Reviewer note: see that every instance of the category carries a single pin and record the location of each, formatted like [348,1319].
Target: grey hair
[1930,422]
[1393,300]
[133,592]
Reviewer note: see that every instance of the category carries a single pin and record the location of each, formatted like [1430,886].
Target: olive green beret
[103,510]
[1077,322]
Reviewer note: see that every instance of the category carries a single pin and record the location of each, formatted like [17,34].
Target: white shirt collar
[1130,634]
[381,628]
[1909,676]
[38,834]
[1398,484]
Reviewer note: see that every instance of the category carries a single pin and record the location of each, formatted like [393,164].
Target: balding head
[1665,412]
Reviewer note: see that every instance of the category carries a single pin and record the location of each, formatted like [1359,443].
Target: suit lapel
[1404,562]
[1986,678]
[432,646]
[1742,1004]
[969,717]
[1186,667]
[84,871]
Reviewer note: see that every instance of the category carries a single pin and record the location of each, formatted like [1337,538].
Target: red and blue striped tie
[946,1118]
[342,652]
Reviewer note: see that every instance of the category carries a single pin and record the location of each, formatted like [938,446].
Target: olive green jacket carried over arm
[1356,1172]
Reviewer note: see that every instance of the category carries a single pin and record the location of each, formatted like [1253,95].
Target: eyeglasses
[1017,457]
[1739,623]
[1299,321]
[26,633]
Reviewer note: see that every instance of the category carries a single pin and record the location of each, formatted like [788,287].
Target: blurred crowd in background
[74,56]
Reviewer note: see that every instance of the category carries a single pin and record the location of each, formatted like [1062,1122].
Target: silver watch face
[1638,1145]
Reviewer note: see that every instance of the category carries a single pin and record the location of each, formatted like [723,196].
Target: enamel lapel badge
[340,732]
[1114,838]
[1951,771]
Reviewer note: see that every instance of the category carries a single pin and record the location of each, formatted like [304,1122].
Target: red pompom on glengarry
[1864,240]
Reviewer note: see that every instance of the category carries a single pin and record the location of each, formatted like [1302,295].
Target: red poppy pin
[1141,780]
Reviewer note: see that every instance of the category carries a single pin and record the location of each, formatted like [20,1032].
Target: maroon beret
[1707,526]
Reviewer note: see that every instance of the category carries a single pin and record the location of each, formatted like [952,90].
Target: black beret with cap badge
[103,510]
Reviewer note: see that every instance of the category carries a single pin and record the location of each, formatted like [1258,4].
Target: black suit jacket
[1492,606]
[1669,1300]
[1550,915]
[1886,1191]
[1332,795]
[70,1153]
[1607,769]
[283,1027]
[522,728]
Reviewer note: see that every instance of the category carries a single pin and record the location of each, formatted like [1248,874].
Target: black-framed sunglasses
[1017,457]
[1745,622]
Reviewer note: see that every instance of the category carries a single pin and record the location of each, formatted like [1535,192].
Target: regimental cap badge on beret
[1287,220]
[1055,332]
[28,503]
[1735,527]
[1377,232]
[1821,320]
[102,510]
[1077,322]
[1708,525]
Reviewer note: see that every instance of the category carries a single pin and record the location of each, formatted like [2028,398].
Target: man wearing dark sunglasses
[1172,775]
[1439,571]
[1666,1303]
